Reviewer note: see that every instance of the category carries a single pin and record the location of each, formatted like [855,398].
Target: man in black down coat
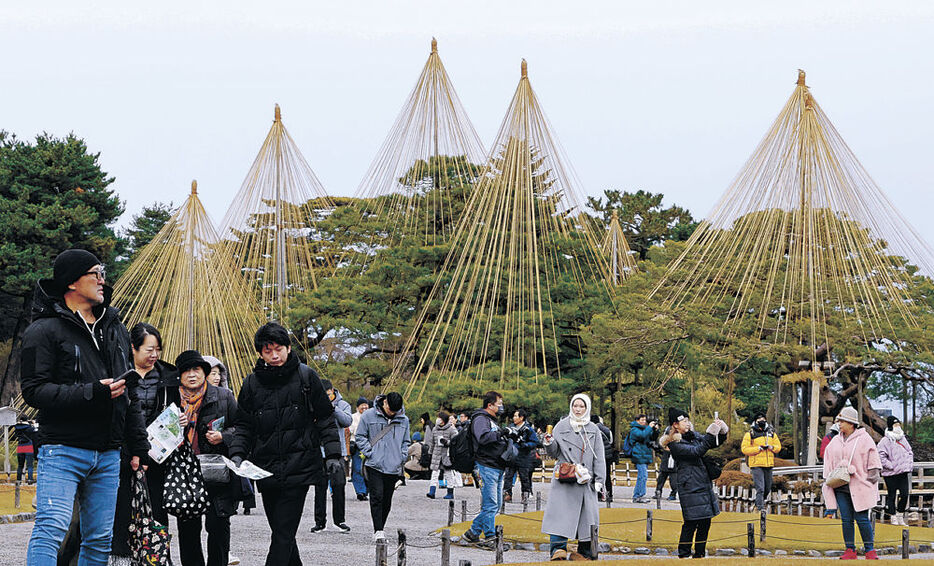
[285,419]
[699,503]
[74,355]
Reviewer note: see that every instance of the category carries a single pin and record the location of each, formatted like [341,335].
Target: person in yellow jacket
[760,445]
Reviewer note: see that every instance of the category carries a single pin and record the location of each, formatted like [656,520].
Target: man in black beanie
[75,362]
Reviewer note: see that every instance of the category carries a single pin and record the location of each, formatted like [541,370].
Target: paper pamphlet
[165,434]
[247,470]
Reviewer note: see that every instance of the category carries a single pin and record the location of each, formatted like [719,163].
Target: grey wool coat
[573,508]
[440,455]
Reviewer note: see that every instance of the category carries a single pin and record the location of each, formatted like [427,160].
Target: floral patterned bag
[148,539]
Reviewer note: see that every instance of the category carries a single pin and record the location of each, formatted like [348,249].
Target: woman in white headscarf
[572,502]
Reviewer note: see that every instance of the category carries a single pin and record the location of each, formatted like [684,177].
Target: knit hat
[191,359]
[757,416]
[890,422]
[69,266]
[849,415]
[676,415]
[362,401]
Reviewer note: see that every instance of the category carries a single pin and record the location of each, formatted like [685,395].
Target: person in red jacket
[834,431]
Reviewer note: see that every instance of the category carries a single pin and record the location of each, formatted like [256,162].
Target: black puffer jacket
[157,390]
[61,372]
[695,489]
[283,423]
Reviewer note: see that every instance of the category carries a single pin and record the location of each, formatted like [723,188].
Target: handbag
[840,476]
[568,472]
[213,469]
[184,494]
[148,539]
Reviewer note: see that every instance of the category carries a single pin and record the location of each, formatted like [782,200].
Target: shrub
[734,478]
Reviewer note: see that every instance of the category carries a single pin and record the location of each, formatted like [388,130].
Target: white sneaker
[232,560]
[379,536]
[894,520]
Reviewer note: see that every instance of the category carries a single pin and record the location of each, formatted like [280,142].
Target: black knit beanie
[676,415]
[69,266]
[890,422]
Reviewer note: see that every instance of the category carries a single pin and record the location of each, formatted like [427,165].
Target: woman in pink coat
[856,449]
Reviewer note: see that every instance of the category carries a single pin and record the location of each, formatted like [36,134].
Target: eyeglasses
[100,274]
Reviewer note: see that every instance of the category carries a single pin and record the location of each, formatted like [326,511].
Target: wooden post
[463,563]
[905,544]
[538,501]
[648,524]
[814,420]
[6,451]
[595,541]
[499,544]
[400,554]
[762,526]
[16,494]
[751,539]
[381,554]
[658,499]
[446,547]
[525,504]
[464,510]
[451,512]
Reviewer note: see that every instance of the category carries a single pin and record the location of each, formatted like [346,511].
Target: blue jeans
[356,474]
[491,499]
[63,472]
[642,477]
[556,542]
[848,514]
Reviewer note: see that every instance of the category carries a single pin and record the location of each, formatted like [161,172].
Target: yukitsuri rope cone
[802,235]
[621,260]
[420,180]
[194,295]
[269,229]
[490,314]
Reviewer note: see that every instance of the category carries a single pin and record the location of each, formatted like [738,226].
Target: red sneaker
[871,555]
[850,554]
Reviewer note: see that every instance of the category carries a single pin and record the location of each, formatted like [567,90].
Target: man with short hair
[75,359]
[336,481]
[527,443]
[383,439]
[356,462]
[490,441]
[284,424]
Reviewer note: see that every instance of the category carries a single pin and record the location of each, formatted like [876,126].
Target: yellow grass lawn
[626,527]
[714,561]
[25,502]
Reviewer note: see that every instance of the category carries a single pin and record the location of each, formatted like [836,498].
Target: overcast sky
[670,97]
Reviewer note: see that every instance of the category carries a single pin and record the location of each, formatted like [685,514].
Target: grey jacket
[344,416]
[440,455]
[391,451]
[573,508]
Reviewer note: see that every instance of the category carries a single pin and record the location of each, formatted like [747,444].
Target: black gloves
[443,441]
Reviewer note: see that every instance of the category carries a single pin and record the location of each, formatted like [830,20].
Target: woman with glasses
[156,389]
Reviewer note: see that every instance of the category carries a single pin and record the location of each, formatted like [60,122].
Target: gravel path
[412,511]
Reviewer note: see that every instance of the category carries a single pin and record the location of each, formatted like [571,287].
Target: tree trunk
[9,387]
[832,402]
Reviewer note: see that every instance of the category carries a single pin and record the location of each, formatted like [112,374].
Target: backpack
[626,451]
[424,459]
[462,450]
